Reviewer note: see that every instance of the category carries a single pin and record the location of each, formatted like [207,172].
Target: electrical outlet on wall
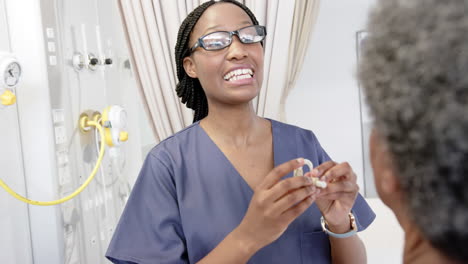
[60,135]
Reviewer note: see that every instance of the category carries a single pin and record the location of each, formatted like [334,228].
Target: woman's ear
[189,66]
[389,182]
[384,168]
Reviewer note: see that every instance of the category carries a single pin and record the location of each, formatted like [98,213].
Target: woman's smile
[241,75]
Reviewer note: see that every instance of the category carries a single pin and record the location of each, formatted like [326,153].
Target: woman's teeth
[238,74]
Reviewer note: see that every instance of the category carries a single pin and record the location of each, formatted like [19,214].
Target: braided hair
[189,89]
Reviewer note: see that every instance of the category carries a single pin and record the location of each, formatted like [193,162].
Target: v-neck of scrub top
[224,207]
[277,158]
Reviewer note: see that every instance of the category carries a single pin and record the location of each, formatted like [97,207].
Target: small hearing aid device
[317,182]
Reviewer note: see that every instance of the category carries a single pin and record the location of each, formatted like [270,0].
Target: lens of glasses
[252,34]
[216,40]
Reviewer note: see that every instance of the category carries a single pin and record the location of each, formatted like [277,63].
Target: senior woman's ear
[189,66]
[389,183]
[385,172]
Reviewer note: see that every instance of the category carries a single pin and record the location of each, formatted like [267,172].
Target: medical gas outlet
[90,61]
[114,121]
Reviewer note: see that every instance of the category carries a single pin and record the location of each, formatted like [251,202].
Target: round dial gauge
[10,71]
[12,74]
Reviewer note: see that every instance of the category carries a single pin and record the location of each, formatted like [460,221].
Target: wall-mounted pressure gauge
[10,70]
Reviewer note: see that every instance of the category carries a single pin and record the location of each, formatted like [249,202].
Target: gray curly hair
[414,72]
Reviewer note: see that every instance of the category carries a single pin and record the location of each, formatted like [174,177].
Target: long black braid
[189,89]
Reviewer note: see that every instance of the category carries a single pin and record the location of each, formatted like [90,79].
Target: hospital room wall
[326,101]
[34,234]
[11,164]
[32,92]
[34,138]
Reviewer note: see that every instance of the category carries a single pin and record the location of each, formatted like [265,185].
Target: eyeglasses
[222,39]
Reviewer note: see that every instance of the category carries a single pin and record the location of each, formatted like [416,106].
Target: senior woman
[415,76]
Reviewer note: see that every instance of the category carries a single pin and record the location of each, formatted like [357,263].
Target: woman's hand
[337,199]
[275,204]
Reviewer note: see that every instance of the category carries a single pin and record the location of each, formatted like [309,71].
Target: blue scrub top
[189,197]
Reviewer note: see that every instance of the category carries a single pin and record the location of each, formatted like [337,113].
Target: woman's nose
[237,49]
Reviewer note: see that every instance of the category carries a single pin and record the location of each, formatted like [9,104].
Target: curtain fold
[289,29]
[151,28]
[305,17]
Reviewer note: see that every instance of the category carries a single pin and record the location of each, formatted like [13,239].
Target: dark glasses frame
[200,43]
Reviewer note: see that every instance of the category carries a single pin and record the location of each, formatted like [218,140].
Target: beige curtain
[289,28]
[305,17]
[151,28]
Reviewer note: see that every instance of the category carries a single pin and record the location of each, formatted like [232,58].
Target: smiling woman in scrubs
[215,192]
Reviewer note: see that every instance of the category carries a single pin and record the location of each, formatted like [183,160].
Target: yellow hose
[80,189]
